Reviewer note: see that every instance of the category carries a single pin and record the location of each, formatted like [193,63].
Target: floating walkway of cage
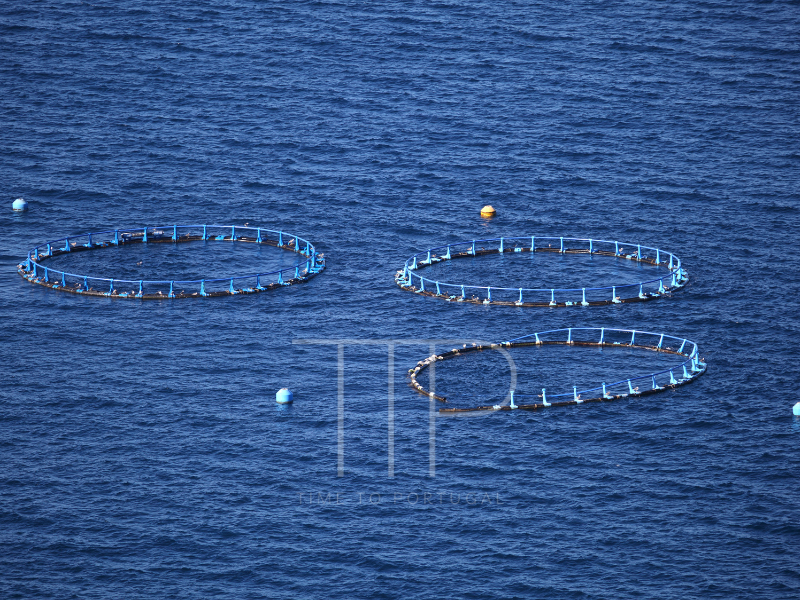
[689,369]
[410,279]
[307,267]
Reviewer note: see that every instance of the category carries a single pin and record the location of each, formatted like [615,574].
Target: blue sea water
[143,454]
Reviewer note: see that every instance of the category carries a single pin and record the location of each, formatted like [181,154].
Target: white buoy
[283,396]
[19,204]
[796,409]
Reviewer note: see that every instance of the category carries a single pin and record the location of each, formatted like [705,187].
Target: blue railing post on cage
[428,260]
[463,295]
[544,397]
[641,291]
[144,235]
[639,252]
[473,249]
[66,246]
[584,302]
[630,387]
[116,237]
[661,289]
[569,335]
[655,387]
[205,232]
[680,351]
[89,245]
[602,335]
[296,246]
[672,380]
[533,243]
[674,281]
[591,248]
[552,297]
[36,253]
[685,373]
[258,281]
[46,275]
[633,338]
[34,270]
[421,284]
[202,287]
[308,266]
[447,256]
[488,294]
[616,247]
[280,238]
[258,237]
[110,288]
[141,284]
[438,290]
[414,265]
[49,251]
[171,289]
[538,341]
[307,251]
[296,272]
[562,245]
[233,291]
[233,234]
[605,394]
[174,233]
[85,285]
[575,395]
[501,245]
[520,296]
[280,279]
[614,298]
[658,256]
[670,262]
[661,341]
[63,280]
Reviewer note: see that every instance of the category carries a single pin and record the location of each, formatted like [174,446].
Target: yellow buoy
[488,211]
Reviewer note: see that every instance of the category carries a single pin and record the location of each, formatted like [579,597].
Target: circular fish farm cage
[309,264]
[411,277]
[689,367]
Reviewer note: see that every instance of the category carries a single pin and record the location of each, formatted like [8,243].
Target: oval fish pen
[307,267]
[409,278]
[691,367]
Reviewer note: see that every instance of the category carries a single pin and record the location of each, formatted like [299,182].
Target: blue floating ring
[411,277]
[311,264]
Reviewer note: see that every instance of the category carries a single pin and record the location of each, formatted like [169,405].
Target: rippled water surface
[143,453]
